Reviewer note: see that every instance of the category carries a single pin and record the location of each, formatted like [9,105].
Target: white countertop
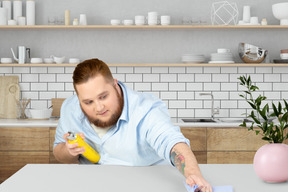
[109,178]
[54,122]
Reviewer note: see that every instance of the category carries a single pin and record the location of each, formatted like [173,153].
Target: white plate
[221,61]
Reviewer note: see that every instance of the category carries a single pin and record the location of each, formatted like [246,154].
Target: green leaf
[285,117]
[257,132]
[286,104]
[252,105]
[275,110]
[279,108]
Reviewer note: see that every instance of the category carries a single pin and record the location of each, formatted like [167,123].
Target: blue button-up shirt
[142,136]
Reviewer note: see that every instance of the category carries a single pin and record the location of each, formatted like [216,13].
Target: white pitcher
[21,54]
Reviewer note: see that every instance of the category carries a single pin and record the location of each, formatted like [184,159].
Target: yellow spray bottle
[89,153]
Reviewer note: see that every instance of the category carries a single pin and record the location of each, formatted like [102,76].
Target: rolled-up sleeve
[161,134]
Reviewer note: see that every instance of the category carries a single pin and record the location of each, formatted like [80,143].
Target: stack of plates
[193,58]
[222,58]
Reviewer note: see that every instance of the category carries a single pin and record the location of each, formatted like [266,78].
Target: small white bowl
[36,60]
[115,22]
[74,60]
[40,113]
[48,60]
[6,60]
[284,55]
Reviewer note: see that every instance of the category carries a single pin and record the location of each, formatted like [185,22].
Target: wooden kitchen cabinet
[20,146]
[223,145]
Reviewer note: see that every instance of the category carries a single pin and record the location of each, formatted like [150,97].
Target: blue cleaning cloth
[227,188]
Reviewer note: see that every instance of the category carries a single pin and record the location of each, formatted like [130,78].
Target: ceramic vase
[271,163]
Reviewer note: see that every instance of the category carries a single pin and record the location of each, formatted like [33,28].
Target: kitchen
[178,85]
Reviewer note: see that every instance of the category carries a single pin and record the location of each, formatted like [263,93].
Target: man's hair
[89,69]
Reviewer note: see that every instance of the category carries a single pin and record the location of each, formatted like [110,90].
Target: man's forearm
[184,160]
[62,155]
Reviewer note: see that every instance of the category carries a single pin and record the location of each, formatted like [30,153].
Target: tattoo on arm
[178,160]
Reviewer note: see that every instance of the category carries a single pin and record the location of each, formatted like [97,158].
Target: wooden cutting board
[9,93]
[57,103]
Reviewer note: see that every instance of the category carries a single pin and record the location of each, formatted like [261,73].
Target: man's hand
[73,148]
[203,185]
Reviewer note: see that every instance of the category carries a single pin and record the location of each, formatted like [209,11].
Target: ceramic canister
[17,9]
[3,16]
[30,12]
[7,4]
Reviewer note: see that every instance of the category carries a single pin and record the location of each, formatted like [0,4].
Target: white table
[105,178]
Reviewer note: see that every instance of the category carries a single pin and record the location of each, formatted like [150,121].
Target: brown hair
[89,69]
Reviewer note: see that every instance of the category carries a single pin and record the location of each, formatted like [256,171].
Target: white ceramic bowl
[40,113]
[36,60]
[115,22]
[48,60]
[280,11]
[6,60]
[284,55]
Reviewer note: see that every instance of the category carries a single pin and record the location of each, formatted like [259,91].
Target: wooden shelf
[157,65]
[145,27]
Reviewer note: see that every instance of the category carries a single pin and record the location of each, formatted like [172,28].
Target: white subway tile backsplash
[65,94]
[280,70]
[159,69]
[30,78]
[284,77]
[229,70]
[194,70]
[71,70]
[151,77]
[271,77]
[21,70]
[229,86]
[6,70]
[168,78]
[248,70]
[125,70]
[133,77]
[142,70]
[185,78]
[69,87]
[194,86]
[55,86]
[211,86]
[280,86]
[47,77]
[177,86]
[47,95]
[186,95]
[39,70]
[142,86]
[203,78]
[228,104]
[263,69]
[168,95]
[30,94]
[186,113]
[177,70]
[220,78]
[176,104]
[64,78]
[211,70]
[38,86]
[55,69]
[194,104]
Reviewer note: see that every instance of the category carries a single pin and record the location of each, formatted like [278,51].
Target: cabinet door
[232,145]
[52,159]
[197,138]
[20,146]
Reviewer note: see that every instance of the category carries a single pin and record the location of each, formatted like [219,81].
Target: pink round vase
[271,162]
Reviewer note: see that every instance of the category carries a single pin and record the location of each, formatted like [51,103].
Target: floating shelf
[157,65]
[145,27]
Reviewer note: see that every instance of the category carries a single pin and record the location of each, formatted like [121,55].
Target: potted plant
[271,160]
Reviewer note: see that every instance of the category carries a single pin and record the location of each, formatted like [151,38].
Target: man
[124,126]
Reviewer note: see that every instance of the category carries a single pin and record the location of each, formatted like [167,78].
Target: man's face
[100,101]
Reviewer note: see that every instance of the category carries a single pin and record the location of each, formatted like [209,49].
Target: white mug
[127,22]
[74,60]
[165,20]
[21,20]
[83,19]
[254,21]
[12,22]
[115,22]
